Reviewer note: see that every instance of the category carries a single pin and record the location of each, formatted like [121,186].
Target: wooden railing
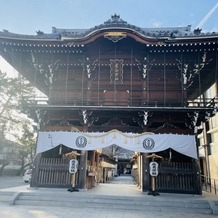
[134,102]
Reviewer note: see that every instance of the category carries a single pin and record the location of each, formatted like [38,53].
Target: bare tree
[14,92]
[27,143]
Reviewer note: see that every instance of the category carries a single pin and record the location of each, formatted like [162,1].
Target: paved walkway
[120,186]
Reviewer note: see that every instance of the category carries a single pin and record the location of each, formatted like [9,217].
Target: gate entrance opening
[177,171]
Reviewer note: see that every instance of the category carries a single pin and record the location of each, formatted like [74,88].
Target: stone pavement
[58,212]
[121,186]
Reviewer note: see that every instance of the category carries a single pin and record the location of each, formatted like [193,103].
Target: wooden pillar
[94,168]
[97,167]
[140,171]
[35,171]
[82,170]
[93,158]
[145,173]
[82,174]
[197,176]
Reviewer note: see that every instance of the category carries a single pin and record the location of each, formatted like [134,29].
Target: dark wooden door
[54,172]
[177,177]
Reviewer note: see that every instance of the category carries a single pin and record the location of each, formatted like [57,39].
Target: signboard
[73,166]
[116,72]
[153,168]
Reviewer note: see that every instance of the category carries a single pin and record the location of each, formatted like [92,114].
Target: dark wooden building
[118,76]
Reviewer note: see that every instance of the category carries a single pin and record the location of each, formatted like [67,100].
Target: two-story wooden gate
[117,76]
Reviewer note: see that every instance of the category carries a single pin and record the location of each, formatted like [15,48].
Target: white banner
[145,143]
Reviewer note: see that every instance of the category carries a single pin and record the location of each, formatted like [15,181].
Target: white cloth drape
[145,143]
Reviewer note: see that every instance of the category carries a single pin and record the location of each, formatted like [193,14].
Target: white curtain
[145,143]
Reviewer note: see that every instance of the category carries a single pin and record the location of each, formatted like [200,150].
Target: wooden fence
[176,177]
[54,172]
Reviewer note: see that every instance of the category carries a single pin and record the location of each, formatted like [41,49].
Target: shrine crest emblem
[148,144]
[81,142]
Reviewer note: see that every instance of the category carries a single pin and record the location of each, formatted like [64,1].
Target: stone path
[119,186]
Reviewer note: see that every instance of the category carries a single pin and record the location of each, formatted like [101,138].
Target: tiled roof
[115,22]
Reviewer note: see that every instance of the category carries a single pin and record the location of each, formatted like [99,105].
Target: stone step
[144,203]
[115,206]
[117,200]
[5,196]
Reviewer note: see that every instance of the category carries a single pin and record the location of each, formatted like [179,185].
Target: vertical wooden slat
[176,177]
[53,172]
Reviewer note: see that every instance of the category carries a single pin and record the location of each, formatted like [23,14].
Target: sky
[29,16]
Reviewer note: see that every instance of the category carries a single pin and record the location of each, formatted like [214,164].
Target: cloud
[156,23]
[208,15]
